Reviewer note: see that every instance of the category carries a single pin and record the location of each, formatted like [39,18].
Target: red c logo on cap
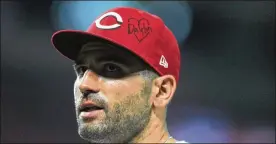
[108,27]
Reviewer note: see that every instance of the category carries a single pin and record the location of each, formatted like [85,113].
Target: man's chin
[92,133]
[90,124]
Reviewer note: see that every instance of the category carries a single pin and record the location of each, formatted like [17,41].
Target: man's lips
[89,110]
[90,115]
[89,106]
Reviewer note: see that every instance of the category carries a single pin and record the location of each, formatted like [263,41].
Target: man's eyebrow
[112,57]
[103,55]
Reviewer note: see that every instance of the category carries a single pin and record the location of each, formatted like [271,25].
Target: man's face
[117,83]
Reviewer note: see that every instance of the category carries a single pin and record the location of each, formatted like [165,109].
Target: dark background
[226,91]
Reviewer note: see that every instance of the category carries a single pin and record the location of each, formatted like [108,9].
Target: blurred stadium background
[227,85]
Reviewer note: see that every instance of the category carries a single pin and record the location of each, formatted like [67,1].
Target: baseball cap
[138,31]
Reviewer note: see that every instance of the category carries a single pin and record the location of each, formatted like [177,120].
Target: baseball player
[127,65]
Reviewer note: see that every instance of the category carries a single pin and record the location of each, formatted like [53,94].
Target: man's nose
[89,83]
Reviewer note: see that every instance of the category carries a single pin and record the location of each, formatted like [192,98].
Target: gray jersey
[181,141]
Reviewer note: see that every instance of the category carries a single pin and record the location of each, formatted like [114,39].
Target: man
[127,65]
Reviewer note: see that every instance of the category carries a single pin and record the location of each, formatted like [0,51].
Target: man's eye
[111,68]
[80,69]
[112,71]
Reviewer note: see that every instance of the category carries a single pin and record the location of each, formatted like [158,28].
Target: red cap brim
[69,42]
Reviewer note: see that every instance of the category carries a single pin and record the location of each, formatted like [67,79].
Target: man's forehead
[103,49]
[93,46]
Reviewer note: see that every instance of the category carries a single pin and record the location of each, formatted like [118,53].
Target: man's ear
[163,90]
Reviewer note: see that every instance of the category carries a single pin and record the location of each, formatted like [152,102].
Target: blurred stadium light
[213,125]
[80,14]
[177,16]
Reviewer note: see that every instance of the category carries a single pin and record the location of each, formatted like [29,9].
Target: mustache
[98,99]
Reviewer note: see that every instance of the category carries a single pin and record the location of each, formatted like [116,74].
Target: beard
[123,122]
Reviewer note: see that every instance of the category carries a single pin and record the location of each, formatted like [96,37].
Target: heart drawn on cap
[140,28]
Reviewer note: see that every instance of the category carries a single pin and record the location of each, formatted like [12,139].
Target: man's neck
[155,132]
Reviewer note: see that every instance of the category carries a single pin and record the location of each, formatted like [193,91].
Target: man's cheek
[77,93]
[76,86]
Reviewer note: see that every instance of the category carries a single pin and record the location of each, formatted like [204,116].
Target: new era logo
[163,62]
